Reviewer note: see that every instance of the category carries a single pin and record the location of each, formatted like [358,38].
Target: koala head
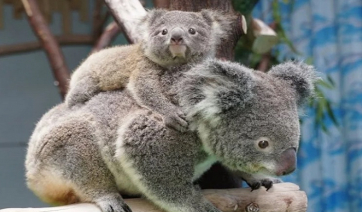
[172,38]
[248,119]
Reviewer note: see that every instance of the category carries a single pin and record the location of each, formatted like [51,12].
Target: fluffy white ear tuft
[215,86]
[300,76]
[144,22]
[221,23]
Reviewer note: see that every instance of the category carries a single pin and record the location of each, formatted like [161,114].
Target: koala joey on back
[170,40]
[244,119]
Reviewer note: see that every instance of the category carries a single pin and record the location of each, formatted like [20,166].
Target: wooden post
[282,197]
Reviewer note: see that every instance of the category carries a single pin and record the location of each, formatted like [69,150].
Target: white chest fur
[203,166]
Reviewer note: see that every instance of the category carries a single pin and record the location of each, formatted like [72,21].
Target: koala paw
[113,204]
[266,182]
[176,120]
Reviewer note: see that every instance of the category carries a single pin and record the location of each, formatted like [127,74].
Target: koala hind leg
[160,162]
[69,168]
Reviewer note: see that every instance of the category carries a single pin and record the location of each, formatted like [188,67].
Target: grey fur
[138,67]
[112,144]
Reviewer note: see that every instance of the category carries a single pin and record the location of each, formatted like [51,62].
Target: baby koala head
[172,38]
[248,119]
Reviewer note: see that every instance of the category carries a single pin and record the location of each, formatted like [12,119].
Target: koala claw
[113,205]
[176,121]
[267,183]
[255,186]
[115,208]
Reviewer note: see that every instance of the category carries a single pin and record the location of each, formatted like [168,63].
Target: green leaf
[325,84]
[331,114]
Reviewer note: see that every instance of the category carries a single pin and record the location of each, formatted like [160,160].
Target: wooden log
[127,13]
[281,197]
[108,35]
[265,37]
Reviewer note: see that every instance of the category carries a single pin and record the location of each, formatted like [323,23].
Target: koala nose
[176,36]
[287,162]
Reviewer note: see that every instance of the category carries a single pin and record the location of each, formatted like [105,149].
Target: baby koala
[170,40]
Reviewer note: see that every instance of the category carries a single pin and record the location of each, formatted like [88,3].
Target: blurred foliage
[245,55]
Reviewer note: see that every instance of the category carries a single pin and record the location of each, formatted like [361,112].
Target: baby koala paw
[176,120]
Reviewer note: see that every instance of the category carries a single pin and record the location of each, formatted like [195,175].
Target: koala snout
[287,162]
[176,36]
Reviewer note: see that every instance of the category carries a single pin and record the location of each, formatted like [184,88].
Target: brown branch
[264,62]
[161,3]
[126,13]
[50,45]
[97,19]
[32,46]
[108,35]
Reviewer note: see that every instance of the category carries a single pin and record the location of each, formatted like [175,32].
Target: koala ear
[215,86]
[299,75]
[221,23]
[145,22]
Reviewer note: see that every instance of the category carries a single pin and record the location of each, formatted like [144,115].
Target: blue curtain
[329,164]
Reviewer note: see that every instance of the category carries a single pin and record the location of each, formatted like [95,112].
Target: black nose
[176,40]
[176,36]
[287,162]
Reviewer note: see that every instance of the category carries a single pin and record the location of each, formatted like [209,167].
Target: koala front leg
[146,89]
[256,181]
[160,161]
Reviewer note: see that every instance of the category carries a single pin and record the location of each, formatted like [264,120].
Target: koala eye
[192,31]
[164,32]
[263,144]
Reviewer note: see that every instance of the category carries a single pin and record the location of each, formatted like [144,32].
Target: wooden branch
[109,34]
[264,62]
[281,197]
[161,3]
[32,46]
[265,37]
[50,45]
[97,19]
[126,13]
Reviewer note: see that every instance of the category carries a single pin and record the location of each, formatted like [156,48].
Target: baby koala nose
[287,162]
[176,36]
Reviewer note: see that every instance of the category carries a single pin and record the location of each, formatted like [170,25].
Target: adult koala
[244,119]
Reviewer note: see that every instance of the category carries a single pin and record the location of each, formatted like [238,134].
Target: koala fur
[138,67]
[112,146]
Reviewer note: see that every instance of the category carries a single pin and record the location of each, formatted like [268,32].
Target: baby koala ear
[221,23]
[299,75]
[143,24]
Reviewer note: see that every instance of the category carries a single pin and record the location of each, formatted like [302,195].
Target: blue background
[329,164]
